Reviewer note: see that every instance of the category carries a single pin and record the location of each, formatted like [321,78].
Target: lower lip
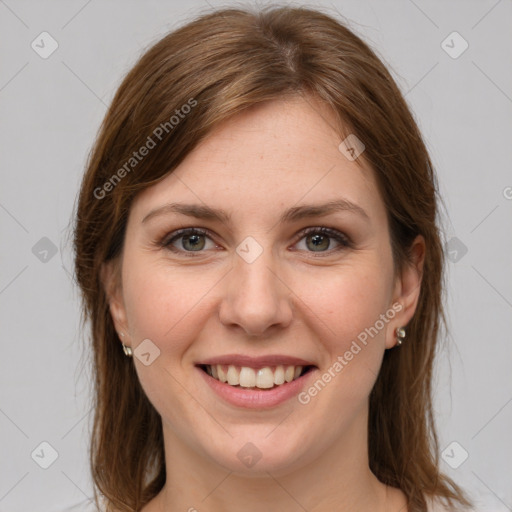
[254,398]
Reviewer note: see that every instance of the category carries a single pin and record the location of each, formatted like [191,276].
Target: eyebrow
[293,214]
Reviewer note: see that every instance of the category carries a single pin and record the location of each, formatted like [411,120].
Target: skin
[294,299]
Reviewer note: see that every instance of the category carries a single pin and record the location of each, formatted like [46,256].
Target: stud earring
[400,335]
[127,350]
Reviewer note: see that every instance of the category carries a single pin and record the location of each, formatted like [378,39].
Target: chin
[257,451]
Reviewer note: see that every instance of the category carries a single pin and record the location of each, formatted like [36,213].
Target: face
[264,283]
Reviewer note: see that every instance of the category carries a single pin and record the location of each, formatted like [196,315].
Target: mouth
[261,378]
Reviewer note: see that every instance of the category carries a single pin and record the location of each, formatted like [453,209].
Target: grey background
[50,112]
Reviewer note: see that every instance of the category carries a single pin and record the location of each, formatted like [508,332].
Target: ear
[407,290]
[111,279]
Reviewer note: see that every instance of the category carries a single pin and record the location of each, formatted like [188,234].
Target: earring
[127,350]
[400,335]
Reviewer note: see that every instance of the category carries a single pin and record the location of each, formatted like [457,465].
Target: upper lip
[256,362]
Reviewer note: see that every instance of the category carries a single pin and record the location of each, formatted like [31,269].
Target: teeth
[279,375]
[222,375]
[245,377]
[265,378]
[233,376]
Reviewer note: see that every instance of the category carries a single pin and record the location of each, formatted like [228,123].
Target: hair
[222,63]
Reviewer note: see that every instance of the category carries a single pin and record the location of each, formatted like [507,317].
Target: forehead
[265,159]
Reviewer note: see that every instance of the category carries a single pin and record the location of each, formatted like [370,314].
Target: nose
[256,298]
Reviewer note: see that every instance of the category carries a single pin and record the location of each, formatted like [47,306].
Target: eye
[195,240]
[319,239]
[189,240]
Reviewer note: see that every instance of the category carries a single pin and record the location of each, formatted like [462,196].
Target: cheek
[167,307]
[162,304]
[346,309]
[149,306]
[345,317]
[347,301]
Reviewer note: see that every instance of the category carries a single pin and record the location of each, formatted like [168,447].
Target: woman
[257,248]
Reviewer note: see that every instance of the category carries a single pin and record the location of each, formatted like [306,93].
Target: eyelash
[341,238]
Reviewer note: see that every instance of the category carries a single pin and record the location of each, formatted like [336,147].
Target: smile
[261,382]
[247,377]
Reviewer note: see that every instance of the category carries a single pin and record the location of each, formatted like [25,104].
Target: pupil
[193,239]
[317,241]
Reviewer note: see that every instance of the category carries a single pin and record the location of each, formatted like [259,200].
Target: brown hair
[222,63]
